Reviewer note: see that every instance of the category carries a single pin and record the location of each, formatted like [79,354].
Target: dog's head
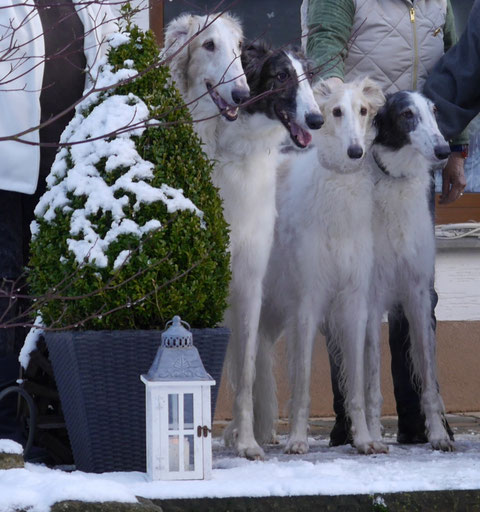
[408,119]
[348,110]
[204,59]
[280,88]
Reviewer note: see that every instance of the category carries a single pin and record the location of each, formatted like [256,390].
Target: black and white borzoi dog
[408,144]
[204,56]
[245,172]
[320,264]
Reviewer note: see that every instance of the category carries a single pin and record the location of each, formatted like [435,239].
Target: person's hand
[453,179]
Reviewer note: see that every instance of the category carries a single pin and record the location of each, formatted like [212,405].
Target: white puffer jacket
[391,36]
[396,42]
[21,75]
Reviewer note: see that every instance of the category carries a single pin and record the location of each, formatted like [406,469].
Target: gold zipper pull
[412,14]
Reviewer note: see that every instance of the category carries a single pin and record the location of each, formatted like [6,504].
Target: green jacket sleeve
[449,30]
[330,25]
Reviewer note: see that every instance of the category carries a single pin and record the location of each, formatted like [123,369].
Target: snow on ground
[328,471]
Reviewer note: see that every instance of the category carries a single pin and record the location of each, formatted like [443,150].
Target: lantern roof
[177,359]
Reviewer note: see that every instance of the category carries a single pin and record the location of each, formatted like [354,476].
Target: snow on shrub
[131,218]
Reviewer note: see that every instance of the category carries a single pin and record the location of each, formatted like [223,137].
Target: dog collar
[383,169]
[380,165]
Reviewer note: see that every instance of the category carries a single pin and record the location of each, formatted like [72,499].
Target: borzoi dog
[408,144]
[204,56]
[245,172]
[319,270]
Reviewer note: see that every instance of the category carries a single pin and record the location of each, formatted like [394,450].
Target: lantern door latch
[203,430]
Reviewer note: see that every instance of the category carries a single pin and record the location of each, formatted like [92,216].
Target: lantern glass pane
[189,454]
[172,412]
[173,453]
[188,411]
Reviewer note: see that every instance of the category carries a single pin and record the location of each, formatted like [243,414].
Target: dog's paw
[253,452]
[443,444]
[296,446]
[273,440]
[230,435]
[379,447]
[371,447]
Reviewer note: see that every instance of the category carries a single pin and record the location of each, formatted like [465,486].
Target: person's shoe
[411,429]
[341,432]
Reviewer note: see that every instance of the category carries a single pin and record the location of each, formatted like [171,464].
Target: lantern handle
[176,320]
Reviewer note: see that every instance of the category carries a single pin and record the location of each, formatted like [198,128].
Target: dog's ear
[322,90]
[178,32]
[373,92]
[253,58]
[381,122]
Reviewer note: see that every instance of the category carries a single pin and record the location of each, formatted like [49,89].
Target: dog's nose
[355,151]
[442,152]
[240,95]
[314,121]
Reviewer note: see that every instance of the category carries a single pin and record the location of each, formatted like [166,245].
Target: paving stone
[11,461]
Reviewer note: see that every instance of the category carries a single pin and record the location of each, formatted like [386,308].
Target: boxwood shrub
[173,260]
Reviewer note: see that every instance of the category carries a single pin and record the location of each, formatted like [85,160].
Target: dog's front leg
[244,314]
[349,331]
[300,338]
[373,394]
[418,312]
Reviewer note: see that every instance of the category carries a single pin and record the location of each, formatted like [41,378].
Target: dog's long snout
[355,151]
[314,121]
[442,151]
[240,94]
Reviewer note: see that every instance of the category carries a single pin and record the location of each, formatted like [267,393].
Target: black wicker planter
[103,400]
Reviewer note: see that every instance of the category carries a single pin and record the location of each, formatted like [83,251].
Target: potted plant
[129,233]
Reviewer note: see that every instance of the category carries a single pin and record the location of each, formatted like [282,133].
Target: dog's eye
[435,109]
[337,112]
[209,45]
[363,111]
[282,76]
[407,114]
[240,45]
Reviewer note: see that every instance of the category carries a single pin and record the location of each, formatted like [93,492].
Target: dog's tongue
[303,137]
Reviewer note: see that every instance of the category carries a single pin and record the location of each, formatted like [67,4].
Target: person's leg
[10,269]
[340,433]
[411,422]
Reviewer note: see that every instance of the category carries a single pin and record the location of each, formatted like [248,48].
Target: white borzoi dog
[245,172]
[319,270]
[204,56]
[245,154]
[407,145]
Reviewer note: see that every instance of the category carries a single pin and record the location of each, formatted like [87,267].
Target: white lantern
[178,412]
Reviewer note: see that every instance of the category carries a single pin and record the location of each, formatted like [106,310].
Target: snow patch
[323,471]
[120,117]
[30,343]
[9,446]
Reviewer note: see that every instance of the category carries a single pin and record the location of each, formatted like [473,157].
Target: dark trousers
[406,395]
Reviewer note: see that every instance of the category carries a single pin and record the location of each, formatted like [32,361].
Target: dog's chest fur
[326,217]
[245,172]
[404,243]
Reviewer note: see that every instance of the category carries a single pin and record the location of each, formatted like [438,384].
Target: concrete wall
[457,283]
[458,358]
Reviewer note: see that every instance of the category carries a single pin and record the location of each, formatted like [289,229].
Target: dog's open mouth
[228,111]
[301,137]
